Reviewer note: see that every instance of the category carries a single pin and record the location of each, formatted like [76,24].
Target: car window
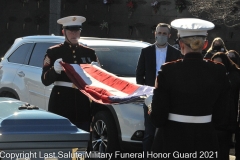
[39,53]
[119,60]
[20,54]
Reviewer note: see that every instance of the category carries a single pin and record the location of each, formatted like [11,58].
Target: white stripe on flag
[89,80]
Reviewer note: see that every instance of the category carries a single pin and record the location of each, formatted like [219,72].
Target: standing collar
[193,55]
[71,45]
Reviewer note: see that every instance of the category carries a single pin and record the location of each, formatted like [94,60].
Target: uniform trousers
[237,145]
[149,132]
[224,140]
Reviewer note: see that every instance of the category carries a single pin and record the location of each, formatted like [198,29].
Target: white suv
[115,127]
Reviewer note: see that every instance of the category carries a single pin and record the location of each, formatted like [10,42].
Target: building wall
[23,20]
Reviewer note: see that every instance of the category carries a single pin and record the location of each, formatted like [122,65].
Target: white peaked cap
[72,21]
[188,27]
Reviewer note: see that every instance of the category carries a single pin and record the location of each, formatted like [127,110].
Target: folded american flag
[104,87]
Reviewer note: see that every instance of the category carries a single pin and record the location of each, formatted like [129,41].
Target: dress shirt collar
[165,47]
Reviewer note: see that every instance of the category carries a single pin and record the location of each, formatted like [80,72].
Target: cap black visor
[73,28]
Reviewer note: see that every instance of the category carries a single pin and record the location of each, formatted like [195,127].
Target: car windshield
[119,60]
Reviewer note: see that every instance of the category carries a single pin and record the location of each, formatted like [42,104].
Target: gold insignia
[156,83]
[74,18]
[45,75]
[46,61]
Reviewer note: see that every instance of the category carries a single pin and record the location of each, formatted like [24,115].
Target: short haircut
[164,25]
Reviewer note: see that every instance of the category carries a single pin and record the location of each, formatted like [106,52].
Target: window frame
[33,51]
[25,61]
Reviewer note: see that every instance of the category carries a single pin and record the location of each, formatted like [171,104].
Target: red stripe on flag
[99,95]
[110,80]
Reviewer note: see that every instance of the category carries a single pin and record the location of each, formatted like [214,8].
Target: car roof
[88,41]
[91,41]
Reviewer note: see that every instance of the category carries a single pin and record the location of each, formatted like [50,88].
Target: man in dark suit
[150,61]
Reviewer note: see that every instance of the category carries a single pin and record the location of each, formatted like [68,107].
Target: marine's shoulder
[173,62]
[56,49]
[56,46]
[85,47]
[213,63]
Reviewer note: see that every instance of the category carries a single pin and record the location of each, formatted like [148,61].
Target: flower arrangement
[155,5]
[104,25]
[180,5]
[131,5]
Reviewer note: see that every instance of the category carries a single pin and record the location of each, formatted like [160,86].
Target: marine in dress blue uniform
[190,98]
[65,99]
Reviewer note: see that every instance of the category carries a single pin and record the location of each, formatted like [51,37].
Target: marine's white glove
[148,102]
[95,63]
[57,66]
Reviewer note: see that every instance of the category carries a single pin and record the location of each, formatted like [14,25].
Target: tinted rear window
[20,54]
[119,60]
[39,53]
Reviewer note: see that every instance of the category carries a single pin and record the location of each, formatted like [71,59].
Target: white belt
[190,119]
[65,84]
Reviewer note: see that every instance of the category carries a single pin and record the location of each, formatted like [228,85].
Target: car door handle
[21,74]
